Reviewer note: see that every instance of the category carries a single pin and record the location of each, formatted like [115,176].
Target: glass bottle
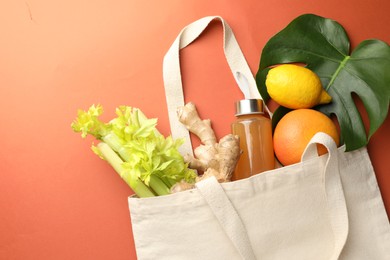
[255,132]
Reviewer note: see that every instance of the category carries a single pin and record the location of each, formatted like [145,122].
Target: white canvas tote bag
[326,207]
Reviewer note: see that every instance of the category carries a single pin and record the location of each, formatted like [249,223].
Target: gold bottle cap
[249,106]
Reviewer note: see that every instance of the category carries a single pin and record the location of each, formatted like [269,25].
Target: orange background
[57,199]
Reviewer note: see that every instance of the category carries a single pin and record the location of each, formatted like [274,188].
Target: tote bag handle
[172,75]
[233,226]
[334,192]
[218,201]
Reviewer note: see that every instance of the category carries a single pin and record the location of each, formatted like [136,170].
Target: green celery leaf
[323,45]
[87,122]
[164,165]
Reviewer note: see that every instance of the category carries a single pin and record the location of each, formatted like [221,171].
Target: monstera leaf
[323,46]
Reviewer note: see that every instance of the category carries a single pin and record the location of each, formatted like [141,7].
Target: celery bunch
[148,162]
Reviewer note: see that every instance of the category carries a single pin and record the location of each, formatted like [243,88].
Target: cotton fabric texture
[327,207]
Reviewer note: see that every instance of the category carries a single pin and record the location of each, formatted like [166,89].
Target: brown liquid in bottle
[255,132]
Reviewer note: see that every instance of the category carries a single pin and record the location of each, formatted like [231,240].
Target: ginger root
[211,158]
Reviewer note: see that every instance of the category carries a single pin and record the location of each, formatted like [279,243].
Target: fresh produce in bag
[147,161]
[150,163]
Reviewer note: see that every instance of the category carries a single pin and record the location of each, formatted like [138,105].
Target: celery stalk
[158,185]
[113,141]
[117,145]
[139,188]
[137,149]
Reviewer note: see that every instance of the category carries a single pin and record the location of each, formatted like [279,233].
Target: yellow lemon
[295,87]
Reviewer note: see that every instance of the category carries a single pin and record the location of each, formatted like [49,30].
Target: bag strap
[227,216]
[172,75]
[224,211]
[337,206]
